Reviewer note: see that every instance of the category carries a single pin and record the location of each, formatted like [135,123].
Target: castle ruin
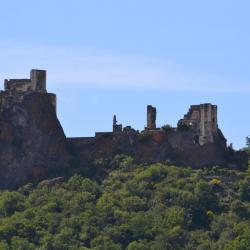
[201,119]
[15,89]
[33,143]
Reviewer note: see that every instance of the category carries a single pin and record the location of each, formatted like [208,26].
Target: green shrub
[167,128]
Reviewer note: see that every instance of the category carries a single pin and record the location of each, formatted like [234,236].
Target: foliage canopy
[135,207]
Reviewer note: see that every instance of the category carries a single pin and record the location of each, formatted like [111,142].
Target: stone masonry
[116,127]
[202,119]
[15,89]
[151,118]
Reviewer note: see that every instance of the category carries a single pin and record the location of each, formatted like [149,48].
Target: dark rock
[32,141]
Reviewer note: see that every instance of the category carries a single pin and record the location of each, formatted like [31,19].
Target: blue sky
[115,57]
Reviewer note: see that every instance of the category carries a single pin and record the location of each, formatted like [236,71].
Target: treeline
[136,207]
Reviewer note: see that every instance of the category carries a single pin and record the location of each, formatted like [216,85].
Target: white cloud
[83,67]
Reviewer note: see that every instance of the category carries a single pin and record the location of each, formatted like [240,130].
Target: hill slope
[134,207]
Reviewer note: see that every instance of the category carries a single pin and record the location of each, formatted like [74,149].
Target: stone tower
[151,117]
[38,78]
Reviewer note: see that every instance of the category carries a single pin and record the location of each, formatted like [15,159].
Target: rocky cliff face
[32,141]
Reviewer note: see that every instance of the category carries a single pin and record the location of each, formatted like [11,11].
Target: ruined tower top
[38,78]
[36,82]
[114,120]
[151,117]
[116,127]
[16,89]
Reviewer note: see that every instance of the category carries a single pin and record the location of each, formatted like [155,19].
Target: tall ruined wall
[208,123]
[203,121]
[176,147]
[151,117]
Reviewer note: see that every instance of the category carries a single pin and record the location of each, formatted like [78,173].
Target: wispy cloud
[84,67]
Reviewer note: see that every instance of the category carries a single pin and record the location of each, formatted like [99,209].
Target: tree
[10,202]
[244,189]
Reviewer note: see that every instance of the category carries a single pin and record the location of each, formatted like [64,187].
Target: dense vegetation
[135,207]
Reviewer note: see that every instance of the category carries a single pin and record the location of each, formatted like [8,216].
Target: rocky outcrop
[32,141]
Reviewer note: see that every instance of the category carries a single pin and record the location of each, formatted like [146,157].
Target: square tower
[151,118]
[38,79]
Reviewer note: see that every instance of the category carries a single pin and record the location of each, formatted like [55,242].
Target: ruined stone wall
[203,120]
[208,123]
[37,82]
[80,141]
[19,85]
[117,128]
